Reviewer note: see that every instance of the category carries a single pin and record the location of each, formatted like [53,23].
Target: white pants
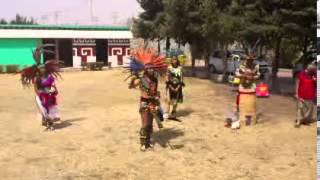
[53,112]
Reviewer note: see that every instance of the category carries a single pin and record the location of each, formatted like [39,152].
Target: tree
[209,24]
[19,20]
[3,21]
[276,22]
[142,29]
[22,20]
[184,23]
[148,25]
[129,22]
[218,27]
[299,20]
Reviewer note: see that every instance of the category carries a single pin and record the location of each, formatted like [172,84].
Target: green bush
[12,68]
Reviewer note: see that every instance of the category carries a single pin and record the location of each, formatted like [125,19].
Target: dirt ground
[98,135]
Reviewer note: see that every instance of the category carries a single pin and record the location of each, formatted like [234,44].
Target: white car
[216,63]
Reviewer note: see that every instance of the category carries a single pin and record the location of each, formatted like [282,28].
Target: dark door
[52,48]
[102,50]
[65,51]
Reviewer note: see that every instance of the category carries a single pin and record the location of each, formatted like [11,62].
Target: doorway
[102,51]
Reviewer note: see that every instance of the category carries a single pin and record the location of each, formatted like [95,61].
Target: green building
[73,44]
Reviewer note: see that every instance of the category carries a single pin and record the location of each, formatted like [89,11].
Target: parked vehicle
[234,59]
[264,68]
[216,63]
[262,90]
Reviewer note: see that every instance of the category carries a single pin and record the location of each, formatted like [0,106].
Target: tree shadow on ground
[164,136]
[67,123]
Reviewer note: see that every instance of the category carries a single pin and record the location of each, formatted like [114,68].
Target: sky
[107,12]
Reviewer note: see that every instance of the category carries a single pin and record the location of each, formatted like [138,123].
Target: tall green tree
[299,17]
[148,24]
[218,27]
[184,21]
[209,24]
[275,22]
[204,24]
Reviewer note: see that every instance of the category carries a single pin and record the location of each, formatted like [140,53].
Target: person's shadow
[164,136]
[181,113]
[67,123]
[184,112]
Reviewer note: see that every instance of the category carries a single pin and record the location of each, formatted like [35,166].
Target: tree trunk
[305,49]
[225,59]
[305,46]
[193,59]
[159,46]
[275,67]
[265,51]
[245,47]
[206,63]
[206,60]
[261,50]
[146,43]
[167,44]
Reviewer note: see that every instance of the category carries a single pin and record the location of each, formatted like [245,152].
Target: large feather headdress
[252,51]
[52,66]
[146,58]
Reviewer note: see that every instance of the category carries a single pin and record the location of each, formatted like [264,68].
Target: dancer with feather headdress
[145,67]
[246,100]
[42,76]
[248,73]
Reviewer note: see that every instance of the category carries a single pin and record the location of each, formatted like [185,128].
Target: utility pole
[44,18]
[91,9]
[55,15]
[115,17]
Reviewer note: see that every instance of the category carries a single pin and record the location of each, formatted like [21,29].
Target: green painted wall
[17,51]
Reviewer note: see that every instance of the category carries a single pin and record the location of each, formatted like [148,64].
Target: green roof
[64,27]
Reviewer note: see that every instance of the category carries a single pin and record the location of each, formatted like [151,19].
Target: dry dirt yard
[98,135]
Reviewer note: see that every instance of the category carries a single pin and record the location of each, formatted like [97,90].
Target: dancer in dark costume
[145,68]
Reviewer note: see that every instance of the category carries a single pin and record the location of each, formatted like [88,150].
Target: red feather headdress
[142,59]
[146,58]
[28,74]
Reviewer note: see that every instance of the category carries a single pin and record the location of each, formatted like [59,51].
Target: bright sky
[71,11]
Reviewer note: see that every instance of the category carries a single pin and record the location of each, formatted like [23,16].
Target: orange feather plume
[149,57]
